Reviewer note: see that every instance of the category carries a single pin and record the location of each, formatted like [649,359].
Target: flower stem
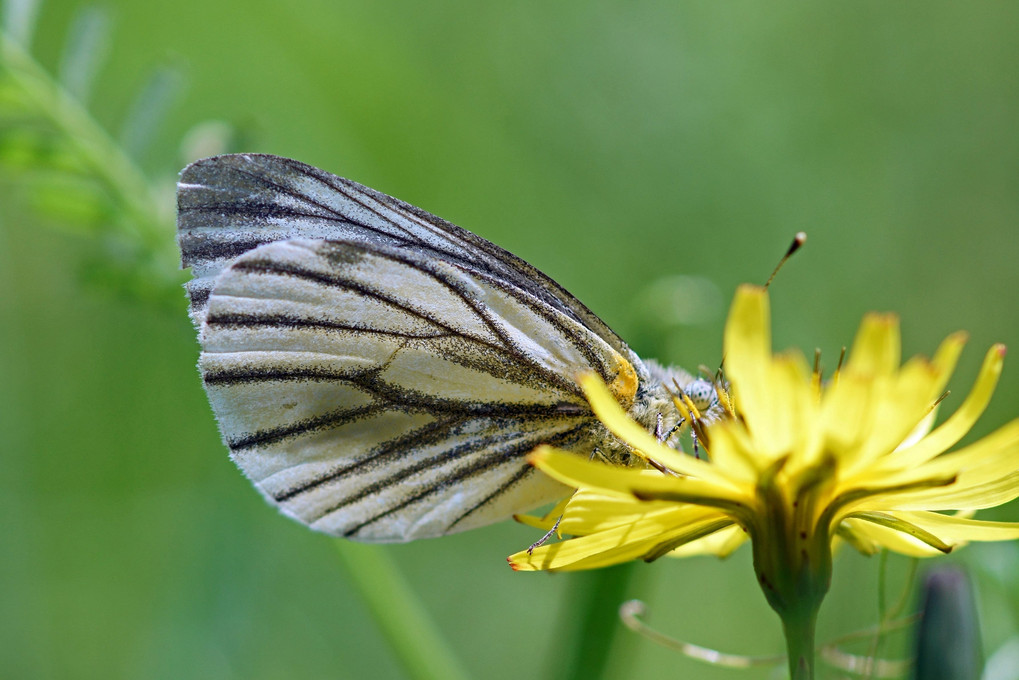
[799,637]
[401,617]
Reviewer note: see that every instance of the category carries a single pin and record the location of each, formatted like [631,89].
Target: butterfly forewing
[385,382]
[228,205]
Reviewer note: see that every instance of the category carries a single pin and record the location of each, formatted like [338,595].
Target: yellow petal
[847,532]
[960,422]
[883,495]
[590,512]
[616,545]
[720,544]
[898,408]
[896,522]
[877,347]
[947,356]
[535,522]
[995,455]
[986,495]
[987,474]
[870,534]
[732,450]
[802,438]
[749,368]
[846,414]
[913,438]
[547,521]
[953,528]
[575,471]
[748,327]
[856,456]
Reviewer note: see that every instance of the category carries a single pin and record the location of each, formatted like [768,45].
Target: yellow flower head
[795,465]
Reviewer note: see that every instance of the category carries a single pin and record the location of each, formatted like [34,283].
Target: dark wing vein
[492,456]
[233,199]
[326,273]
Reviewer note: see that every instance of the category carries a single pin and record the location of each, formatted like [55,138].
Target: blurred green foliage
[612,145]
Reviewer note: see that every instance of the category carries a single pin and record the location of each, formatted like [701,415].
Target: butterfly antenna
[798,241]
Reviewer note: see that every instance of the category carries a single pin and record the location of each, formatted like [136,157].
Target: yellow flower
[796,464]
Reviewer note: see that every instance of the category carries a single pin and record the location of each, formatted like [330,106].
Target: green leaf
[19,20]
[72,203]
[33,147]
[87,44]
[149,110]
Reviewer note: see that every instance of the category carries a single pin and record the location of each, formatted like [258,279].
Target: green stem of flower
[401,617]
[799,627]
[795,591]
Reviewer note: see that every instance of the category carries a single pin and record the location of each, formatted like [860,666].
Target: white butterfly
[378,372]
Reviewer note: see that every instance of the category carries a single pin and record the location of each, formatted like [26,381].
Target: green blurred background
[613,145]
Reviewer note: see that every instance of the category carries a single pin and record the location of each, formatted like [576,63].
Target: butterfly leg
[551,532]
[672,431]
[696,444]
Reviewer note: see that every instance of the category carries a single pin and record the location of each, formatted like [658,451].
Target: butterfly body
[378,372]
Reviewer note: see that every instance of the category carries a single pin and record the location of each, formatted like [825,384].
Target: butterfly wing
[229,204]
[381,394]
[377,372]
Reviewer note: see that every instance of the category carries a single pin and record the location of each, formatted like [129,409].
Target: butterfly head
[702,393]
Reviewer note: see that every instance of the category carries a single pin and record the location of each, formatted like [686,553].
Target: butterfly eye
[702,393]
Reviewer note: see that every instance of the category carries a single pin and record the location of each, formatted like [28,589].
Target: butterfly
[379,373]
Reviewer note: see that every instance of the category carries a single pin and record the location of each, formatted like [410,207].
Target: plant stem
[103,157]
[799,638]
[399,614]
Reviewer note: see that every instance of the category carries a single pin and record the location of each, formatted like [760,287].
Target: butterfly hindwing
[380,393]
